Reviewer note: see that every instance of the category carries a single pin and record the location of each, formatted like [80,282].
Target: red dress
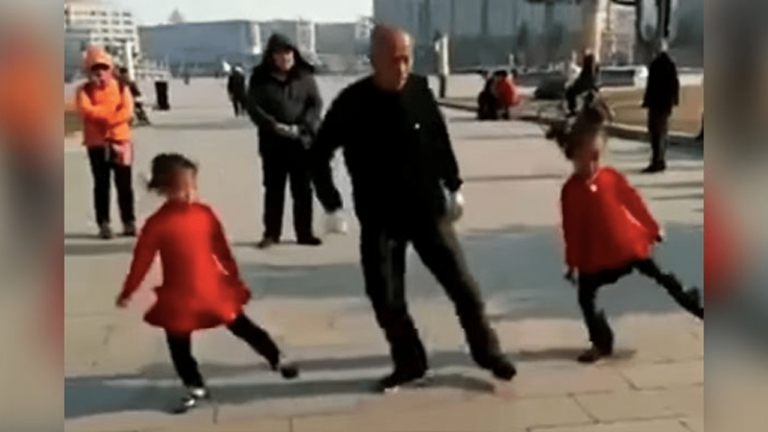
[606,224]
[201,282]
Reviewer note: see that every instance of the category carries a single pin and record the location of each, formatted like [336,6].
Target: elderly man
[406,184]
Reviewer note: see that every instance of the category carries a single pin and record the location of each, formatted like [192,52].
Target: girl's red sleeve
[221,248]
[634,203]
[571,227]
[143,255]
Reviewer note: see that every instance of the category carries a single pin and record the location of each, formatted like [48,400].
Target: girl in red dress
[607,228]
[201,282]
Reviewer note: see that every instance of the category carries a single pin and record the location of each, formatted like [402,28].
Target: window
[128,22]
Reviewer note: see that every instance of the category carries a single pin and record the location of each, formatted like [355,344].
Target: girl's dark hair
[589,124]
[164,166]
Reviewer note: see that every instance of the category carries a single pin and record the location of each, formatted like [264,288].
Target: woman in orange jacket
[106,108]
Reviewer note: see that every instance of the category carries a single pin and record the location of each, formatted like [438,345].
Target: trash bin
[161,90]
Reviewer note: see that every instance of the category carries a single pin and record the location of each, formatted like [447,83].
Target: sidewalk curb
[615,130]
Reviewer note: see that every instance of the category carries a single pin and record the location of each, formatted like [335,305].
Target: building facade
[534,32]
[110,25]
[199,48]
[90,22]
[300,32]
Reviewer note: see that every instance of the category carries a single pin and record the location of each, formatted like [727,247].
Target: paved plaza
[118,372]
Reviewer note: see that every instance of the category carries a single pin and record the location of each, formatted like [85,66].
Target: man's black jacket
[662,92]
[396,148]
[293,101]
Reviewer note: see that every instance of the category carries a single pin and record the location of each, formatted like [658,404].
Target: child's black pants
[242,327]
[600,333]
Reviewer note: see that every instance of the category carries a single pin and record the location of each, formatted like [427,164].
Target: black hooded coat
[294,100]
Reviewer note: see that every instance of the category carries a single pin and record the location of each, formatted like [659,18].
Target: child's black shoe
[192,400]
[287,369]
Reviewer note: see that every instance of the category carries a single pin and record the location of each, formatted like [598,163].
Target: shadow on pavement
[88,396]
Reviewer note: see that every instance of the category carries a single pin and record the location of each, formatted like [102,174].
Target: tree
[522,37]
[555,37]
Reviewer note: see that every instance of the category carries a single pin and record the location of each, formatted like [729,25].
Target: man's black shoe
[397,379]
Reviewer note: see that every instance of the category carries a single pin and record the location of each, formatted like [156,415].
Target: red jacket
[201,282]
[507,93]
[606,224]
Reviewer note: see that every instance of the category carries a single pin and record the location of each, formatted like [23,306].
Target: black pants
[658,129]
[278,166]
[239,106]
[243,328]
[600,333]
[102,168]
[383,262]
[443,86]
[325,188]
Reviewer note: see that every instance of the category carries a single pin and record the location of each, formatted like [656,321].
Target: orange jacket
[30,85]
[606,224]
[106,112]
[507,93]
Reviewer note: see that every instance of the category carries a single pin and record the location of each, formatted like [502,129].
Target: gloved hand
[455,206]
[288,131]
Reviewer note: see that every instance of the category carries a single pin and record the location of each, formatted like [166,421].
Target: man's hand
[288,131]
[455,205]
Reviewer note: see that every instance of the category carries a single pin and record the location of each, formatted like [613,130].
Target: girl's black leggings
[242,327]
[600,333]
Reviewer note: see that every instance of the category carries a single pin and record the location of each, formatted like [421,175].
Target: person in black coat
[285,104]
[406,183]
[586,82]
[236,90]
[662,94]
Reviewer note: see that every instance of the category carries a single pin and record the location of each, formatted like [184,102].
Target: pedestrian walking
[662,94]
[443,67]
[106,109]
[285,104]
[406,184]
[236,90]
[201,287]
[608,230]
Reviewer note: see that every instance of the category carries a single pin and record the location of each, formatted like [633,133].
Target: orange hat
[96,56]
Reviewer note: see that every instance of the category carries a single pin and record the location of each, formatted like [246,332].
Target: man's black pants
[600,333]
[277,167]
[325,188]
[658,129]
[383,255]
[239,106]
[102,168]
[242,327]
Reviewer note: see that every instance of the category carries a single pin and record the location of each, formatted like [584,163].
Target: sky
[151,12]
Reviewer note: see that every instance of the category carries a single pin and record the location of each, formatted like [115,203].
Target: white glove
[455,206]
[288,131]
[335,223]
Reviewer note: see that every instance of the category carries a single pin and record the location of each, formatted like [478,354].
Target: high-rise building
[110,25]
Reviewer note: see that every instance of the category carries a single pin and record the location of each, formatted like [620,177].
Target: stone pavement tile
[647,404]
[286,408]
[664,375]
[671,425]
[544,339]
[695,424]
[258,425]
[412,400]
[665,338]
[140,421]
[85,340]
[482,414]
[546,380]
